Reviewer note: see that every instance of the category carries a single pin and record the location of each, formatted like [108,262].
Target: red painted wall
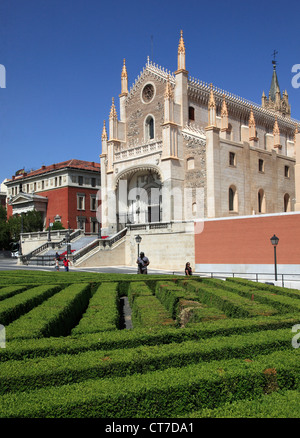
[247,240]
[63,202]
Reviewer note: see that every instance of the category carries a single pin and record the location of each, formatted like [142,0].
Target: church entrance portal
[139,198]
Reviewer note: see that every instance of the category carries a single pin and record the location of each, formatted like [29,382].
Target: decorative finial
[224,111]
[276,130]
[124,71]
[181,48]
[169,91]
[104,133]
[296,132]
[113,111]
[211,102]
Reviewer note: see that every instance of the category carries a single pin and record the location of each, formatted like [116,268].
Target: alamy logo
[296,78]
[2,76]
[2,336]
[295,342]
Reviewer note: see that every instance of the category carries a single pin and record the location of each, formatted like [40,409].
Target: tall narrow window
[261,201]
[287,202]
[80,201]
[261,167]
[286,171]
[232,199]
[232,159]
[149,128]
[191,113]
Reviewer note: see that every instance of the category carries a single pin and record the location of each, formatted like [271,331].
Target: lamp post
[274,241]
[49,232]
[138,240]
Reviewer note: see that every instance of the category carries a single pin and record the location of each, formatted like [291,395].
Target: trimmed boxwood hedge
[283,303]
[155,370]
[164,393]
[279,404]
[10,291]
[54,317]
[147,310]
[30,348]
[230,303]
[13,307]
[103,311]
[30,374]
[293,293]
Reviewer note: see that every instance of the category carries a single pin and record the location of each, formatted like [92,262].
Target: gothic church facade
[178,150]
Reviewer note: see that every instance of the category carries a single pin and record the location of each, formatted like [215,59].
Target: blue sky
[63,61]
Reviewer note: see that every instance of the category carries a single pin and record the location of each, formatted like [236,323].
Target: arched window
[149,128]
[287,202]
[233,199]
[261,200]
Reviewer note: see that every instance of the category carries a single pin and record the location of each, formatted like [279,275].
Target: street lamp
[274,241]
[49,231]
[138,240]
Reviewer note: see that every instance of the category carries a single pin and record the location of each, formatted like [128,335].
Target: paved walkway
[10,263]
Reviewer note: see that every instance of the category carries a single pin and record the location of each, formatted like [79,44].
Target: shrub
[230,303]
[147,311]
[13,307]
[157,394]
[102,313]
[55,317]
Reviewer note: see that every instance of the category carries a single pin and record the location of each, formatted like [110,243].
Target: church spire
[274,85]
[275,101]
[124,81]
[181,54]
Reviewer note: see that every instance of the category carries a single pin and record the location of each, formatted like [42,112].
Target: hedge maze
[198,347]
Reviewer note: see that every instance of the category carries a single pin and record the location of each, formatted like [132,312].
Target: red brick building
[66,192]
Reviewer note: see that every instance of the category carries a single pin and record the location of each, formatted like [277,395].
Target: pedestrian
[188,269]
[66,263]
[142,262]
[57,264]
[57,258]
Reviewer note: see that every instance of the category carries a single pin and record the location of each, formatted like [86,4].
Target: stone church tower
[179,150]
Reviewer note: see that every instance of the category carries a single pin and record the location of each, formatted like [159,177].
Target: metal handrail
[25,258]
[256,276]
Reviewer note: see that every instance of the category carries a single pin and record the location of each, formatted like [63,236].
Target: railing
[149,226]
[82,252]
[137,150]
[54,245]
[109,241]
[254,276]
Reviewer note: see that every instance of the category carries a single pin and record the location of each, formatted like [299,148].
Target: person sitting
[188,269]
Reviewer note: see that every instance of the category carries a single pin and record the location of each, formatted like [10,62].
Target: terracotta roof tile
[72,164]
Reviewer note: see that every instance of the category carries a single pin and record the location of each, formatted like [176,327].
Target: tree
[4,231]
